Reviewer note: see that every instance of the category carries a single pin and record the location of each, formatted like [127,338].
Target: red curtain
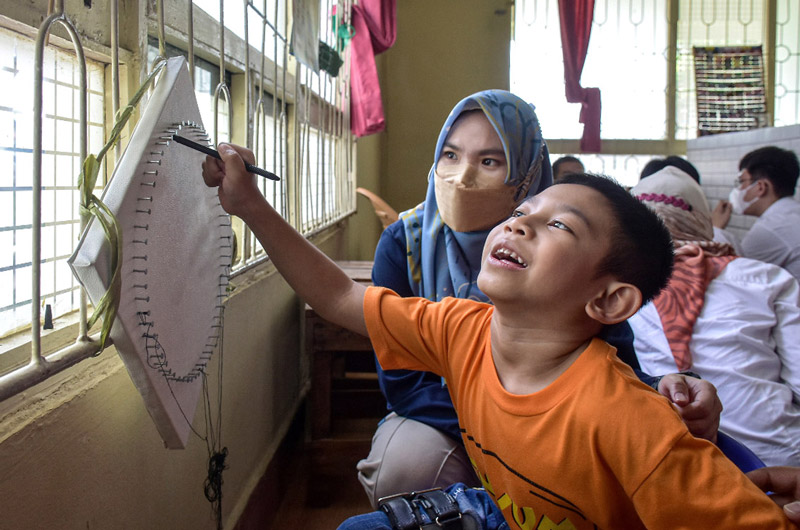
[375,25]
[576,27]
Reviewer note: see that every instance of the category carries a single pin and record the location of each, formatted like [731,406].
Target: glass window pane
[6,288]
[7,242]
[60,131]
[626,60]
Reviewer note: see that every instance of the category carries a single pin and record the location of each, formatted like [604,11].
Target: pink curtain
[576,27]
[375,25]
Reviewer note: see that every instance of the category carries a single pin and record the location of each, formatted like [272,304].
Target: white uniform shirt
[775,236]
[723,236]
[746,341]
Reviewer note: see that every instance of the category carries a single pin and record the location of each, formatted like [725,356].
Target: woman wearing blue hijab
[446,259]
[490,156]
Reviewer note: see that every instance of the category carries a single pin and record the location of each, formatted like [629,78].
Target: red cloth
[576,27]
[681,301]
[375,25]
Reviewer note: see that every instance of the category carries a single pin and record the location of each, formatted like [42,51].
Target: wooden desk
[341,358]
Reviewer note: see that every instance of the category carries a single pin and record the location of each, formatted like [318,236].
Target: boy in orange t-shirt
[562,434]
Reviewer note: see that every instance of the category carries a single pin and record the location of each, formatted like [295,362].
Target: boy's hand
[721,214]
[696,401]
[784,482]
[236,187]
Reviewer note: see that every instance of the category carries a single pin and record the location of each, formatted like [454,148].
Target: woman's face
[472,155]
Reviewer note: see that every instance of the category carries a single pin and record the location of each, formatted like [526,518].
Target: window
[206,79]
[60,169]
[627,60]
[326,180]
[270,14]
[292,126]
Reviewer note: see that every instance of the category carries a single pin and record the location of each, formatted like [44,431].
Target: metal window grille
[646,34]
[61,164]
[39,230]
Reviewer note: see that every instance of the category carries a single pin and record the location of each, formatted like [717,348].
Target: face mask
[469,209]
[736,198]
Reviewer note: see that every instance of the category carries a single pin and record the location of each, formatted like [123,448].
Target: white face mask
[736,198]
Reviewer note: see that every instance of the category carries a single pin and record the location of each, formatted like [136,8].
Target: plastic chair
[745,459]
[385,213]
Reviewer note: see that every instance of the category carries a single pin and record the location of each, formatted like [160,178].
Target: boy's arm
[313,276]
[717,495]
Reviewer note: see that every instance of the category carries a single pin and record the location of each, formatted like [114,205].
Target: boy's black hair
[562,160]
[657,164]
[777,165]
[641,250]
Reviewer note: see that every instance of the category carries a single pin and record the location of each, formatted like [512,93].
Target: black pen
[211,152]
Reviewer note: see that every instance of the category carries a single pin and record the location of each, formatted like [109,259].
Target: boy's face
[549,250]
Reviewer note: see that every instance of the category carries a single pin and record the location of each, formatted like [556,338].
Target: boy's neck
[530,352]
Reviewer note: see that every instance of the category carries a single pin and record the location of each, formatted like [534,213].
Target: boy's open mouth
[504,254]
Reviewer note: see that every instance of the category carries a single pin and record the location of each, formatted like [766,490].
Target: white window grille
[640,57]
[60,169]
[271,118]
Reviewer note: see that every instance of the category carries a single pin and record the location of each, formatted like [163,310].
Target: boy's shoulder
[627,413]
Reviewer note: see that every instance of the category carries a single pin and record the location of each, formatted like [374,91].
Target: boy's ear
[617,302]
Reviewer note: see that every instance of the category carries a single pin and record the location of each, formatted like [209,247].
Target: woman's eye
[449,155]
[517,213]
[491,162]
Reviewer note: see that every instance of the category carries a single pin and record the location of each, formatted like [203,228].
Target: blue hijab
[441,261]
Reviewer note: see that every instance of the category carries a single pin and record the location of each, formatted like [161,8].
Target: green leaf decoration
[92,206]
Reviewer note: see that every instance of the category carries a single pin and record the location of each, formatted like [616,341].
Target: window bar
[305,160]
[39,368]
[248,76]
[347,130]
[222,87]
[277,163]
[308,190]
[320,169]
[672,71]
[283,126]
[322,176]
[260,111]
[162,50]
[190,37]
[293,198]
[321,101]
[247,244]
[114,75]
[770,66]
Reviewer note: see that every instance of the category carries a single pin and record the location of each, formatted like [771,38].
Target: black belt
[409,511]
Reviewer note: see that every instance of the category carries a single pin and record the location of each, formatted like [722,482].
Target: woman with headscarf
[734,321]
[489,157]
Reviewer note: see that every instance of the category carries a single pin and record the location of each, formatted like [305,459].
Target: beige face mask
[469,209]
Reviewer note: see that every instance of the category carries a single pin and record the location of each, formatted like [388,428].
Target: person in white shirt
[732,320]
[765,188]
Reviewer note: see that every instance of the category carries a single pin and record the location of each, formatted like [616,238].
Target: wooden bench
[345,402]
[343,378]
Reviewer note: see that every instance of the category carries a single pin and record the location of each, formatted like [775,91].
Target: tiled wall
[717,159]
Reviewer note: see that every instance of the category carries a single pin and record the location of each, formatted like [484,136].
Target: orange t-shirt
[595,449]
